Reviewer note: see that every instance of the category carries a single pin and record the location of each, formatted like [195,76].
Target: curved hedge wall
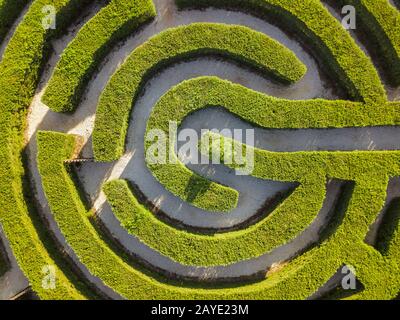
[81,58]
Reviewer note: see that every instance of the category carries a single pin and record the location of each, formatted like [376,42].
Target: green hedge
[388,234]
[193,95]
[311,21]
[236,42]
[9,12]
[352,67]
[396,107]
[73,219]
[390,240]
[370,170]
[119,19]
[20,69]
[4,266]
[297,280]
[176,104]
[293,216]
[297,166]
[382,23]
[265,111]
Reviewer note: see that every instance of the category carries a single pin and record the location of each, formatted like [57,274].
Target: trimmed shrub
[73,219]
[382,22]
[352,67]
[293,216]
[235,42]
[20,69]
[312,22]
[262,110]
[298,280]
[3,264]
[83,55]
[388,233]
[192,95]
[9,11]
[371,172]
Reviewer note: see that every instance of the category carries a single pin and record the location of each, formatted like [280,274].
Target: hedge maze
[118,241]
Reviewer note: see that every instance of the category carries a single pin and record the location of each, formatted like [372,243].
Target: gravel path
[254,192]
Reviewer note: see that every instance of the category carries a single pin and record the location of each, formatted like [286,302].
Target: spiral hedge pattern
[89,260]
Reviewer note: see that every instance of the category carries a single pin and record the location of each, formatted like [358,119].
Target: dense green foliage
[81,58]
[297,166]
[3,264]
[313,23]
[297,280]
[19,69]
[193,95]
[178,103]
[352,67]
[235,42]
[73,220]
[371,172]
[292,216]
[388,236]
[382,22]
